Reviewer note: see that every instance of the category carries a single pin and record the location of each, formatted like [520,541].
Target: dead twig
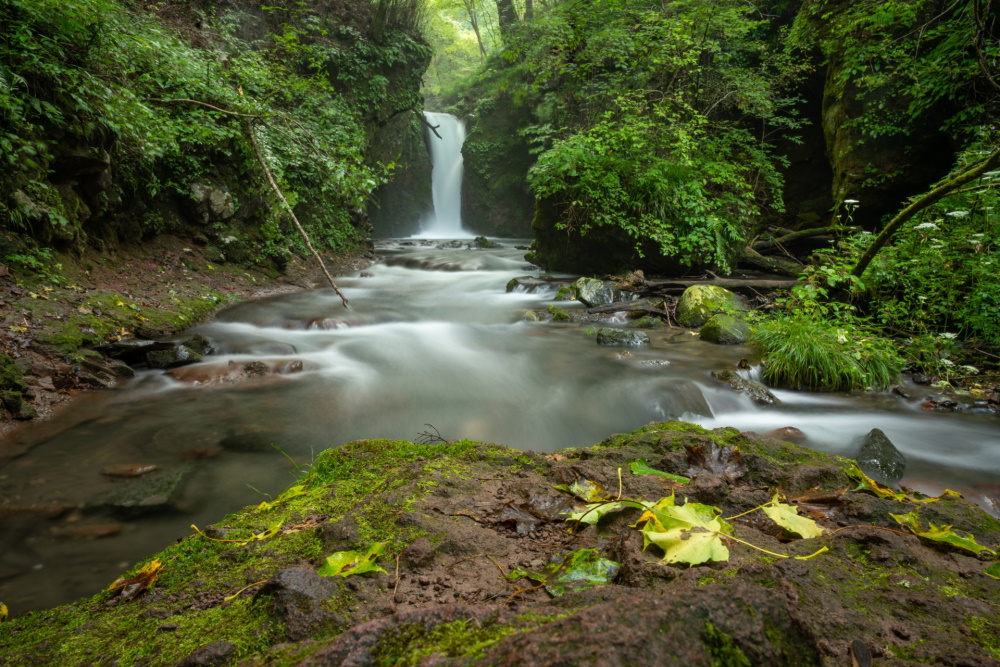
[426,437]
[288,208]
[396,585]
[432,128]
[205,104]
[522,591]
[463,560]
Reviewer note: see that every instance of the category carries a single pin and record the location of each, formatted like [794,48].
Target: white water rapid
[446,178]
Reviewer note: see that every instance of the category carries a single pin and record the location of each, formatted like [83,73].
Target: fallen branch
[204,104]
[274,186]
[772,242]
[754,259]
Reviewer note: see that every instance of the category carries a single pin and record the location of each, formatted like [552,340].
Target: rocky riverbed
[470,540]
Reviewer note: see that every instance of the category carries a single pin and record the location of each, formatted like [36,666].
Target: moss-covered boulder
[754,390]
[723,329]
[444,521]
[621,337]
[699,302]
[593,292]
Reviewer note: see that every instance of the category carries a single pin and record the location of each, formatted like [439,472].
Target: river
[444,345]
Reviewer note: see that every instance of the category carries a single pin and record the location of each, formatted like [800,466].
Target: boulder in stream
[699,302]
[880,460]
[622,338]
[757,392]
[153,492]
[723,329]
[178,355]
[593,292]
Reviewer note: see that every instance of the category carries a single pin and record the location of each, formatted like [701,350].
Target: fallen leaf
[575,571]
[269,532]
[131,588]
[287,494]
[550,507]
[866,483]
[524,521]
[710,458]
[643,468]
[3,607]
[585,490]
[346,563]
[818,504]
[594,512]
[129,469]
[787,516]
[940,533]
[691,533]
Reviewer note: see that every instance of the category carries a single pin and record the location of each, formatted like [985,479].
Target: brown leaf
[818,504]
[710,458]
[524,521]
[146,577]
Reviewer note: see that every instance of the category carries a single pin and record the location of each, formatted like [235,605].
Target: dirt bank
[53,314]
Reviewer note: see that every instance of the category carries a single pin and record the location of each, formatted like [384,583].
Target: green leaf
[787,516]
[4,612]
[346,563]
[585,490]
[594,512]
[642,468]
[940,533]
[575,571]
[993,571]
[691,533]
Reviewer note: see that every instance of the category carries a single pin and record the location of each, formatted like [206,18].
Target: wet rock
[178,355]
[622,338]
[593,292]
[132,351]
[130,470]
[699,302]
[532,285]
[256,438]
[757,392]
[682,399]
[647,322]
[295,599]
[216,653]
[723,329]
[199,344]
[880,460]
[212,203]
[88,532]
[485,243]
[785,434]
[154,492]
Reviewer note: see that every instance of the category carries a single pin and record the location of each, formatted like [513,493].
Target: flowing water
[432,338]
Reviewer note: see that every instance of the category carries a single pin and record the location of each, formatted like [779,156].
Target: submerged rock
[178,355]
[723,329]
[880,460]
[593,292]
[485,244]
[622,338]
[699,302]
[155,491]
[757,392]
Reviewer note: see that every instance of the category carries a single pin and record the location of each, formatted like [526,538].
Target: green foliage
[651,119]
[574,571]
[944,534]
[346,563]
[824,355]
[103,73]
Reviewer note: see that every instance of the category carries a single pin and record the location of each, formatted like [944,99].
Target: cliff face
[130,149]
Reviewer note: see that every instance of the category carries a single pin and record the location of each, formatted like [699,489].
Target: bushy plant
[803,352]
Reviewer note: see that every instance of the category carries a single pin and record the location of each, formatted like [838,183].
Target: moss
[558,314]
[410,644]
[986,633]
[722,650]
[11,377]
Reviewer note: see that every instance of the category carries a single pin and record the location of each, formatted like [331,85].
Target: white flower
[851,201]
[922,298]
[947,362]
[957,214]
[947,335]
[926,225]
[972,370]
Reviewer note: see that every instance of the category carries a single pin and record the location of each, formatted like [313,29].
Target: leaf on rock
[523,520]
[940,533]
[574,571]
[267,533]
[346,563]
[993,571]
[288,494]
[643,468]
[4,612]
[866,483]
[131,588]
[585,490]
[787,517]
[594,512]
[710,458]
[550,507]
[691,533]
[818,504]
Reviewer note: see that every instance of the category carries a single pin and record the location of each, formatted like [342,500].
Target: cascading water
[446,178]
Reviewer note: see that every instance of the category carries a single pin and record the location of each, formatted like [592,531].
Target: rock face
[699,303]
[757,392]
[880,460]
[295,596]
[593,292]
[621,338]
[212,203]
[723,329]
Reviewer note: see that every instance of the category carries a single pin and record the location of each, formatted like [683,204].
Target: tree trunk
[937,194]
[470,8]
[506,16]
[529,10]
[782,267]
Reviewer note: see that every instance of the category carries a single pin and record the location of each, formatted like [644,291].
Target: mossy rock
[699,303]
[723,329]
[621,338]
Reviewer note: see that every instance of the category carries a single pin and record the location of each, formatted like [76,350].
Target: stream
[433,345]
[432,338]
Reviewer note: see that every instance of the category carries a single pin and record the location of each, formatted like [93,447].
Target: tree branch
[432,128]
[274,186]
[940,192]
[204,104]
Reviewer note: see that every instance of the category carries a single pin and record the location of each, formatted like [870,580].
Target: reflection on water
[446,347]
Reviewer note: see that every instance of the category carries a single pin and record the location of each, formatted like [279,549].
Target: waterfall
[446,178]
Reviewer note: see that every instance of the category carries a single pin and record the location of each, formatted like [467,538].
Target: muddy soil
[451,522]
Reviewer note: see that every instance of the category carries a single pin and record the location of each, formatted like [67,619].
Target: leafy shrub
[808,353]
